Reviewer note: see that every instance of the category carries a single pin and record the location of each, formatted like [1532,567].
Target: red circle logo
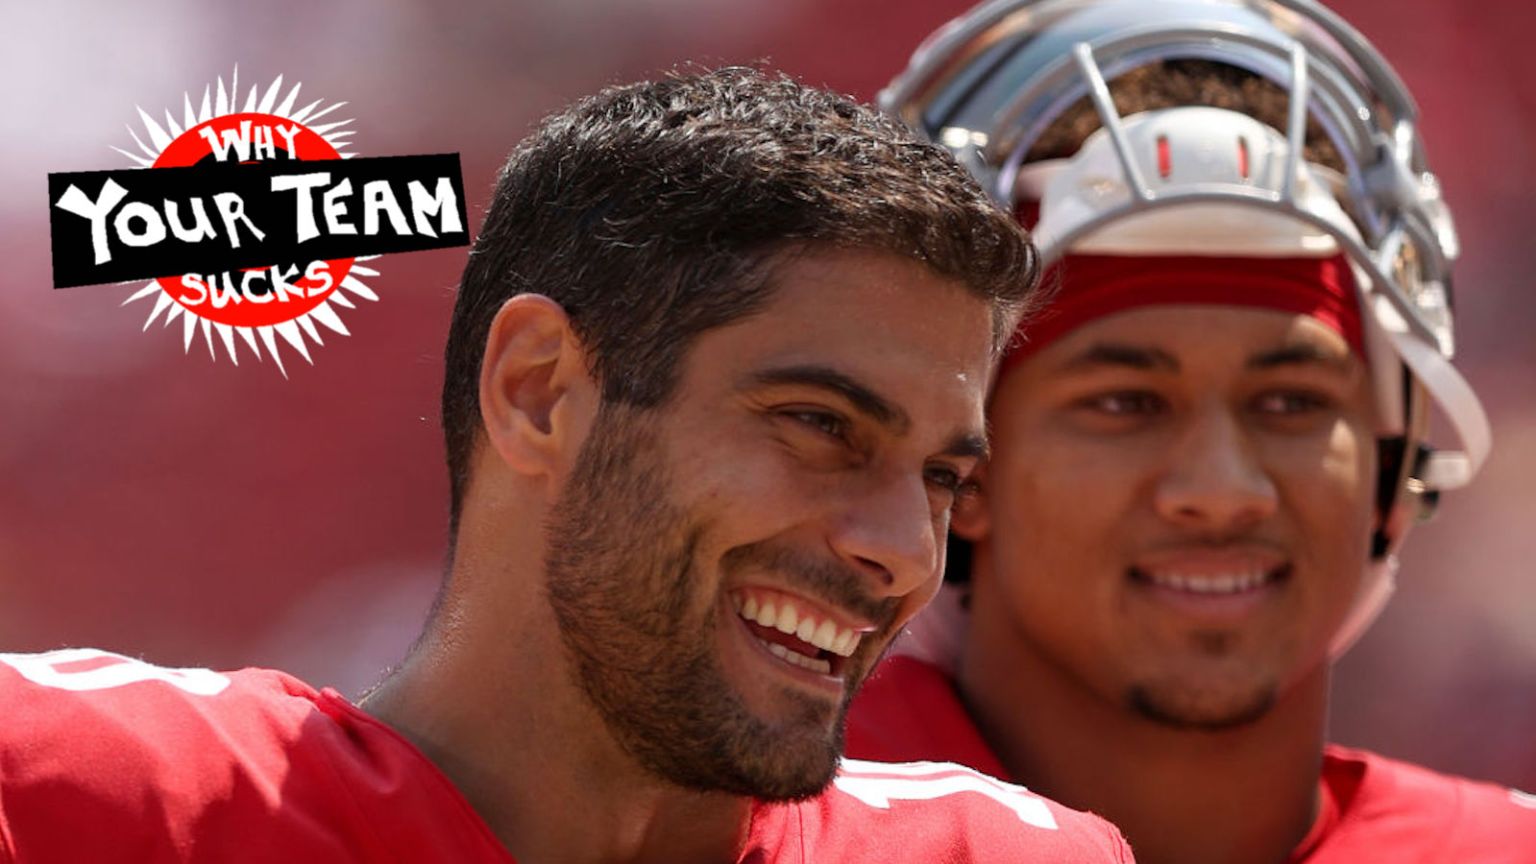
[254,296]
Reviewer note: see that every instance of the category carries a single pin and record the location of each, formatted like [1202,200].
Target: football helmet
[1192,179]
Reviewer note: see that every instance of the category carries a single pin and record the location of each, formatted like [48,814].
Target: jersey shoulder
[1393,810]
[104,723]
[100,745]
[934,811]
[105,758]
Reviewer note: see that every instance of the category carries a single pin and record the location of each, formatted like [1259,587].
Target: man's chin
[788,753]
[1201,711]
[797,771]
[797,760]
[775,770]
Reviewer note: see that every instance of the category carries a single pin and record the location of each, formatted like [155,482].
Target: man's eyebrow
[1301,354]
[1122,355]
[865,400]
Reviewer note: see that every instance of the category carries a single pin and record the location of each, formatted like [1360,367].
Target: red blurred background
[198,513]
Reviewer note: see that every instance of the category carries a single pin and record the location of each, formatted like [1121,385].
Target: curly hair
[1171,83]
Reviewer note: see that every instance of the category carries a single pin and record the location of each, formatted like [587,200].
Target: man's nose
[889,532]
[1215,478]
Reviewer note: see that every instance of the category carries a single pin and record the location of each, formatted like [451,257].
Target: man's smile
[1211,584]
[799,631]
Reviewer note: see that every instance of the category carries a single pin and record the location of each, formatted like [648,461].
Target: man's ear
[535,391]
[972,517]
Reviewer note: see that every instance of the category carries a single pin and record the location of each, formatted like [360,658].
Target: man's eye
[1126,403]
[827,423]
[950,480]
[1291,402]
[947,479]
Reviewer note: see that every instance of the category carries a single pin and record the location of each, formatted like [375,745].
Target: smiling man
[714,381]
[1208,446]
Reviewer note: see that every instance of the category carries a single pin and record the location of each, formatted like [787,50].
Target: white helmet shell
[1174,148]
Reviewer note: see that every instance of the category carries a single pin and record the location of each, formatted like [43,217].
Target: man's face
[799,479]
[1180,504]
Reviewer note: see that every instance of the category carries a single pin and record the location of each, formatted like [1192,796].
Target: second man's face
[1180,505]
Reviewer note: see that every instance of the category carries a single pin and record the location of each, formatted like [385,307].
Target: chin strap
[1375,590]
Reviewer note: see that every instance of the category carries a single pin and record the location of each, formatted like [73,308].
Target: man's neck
[512,730]
[1247,794]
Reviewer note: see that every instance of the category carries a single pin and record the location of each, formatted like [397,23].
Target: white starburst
[218,101]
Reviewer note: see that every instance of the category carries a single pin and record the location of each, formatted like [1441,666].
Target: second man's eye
[1291,402]
[1126,403]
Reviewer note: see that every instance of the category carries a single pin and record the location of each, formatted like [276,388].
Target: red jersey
[1373,809]
[107,759]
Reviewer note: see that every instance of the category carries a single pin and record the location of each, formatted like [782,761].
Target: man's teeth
[812,663]
[1220,583]
[782,615]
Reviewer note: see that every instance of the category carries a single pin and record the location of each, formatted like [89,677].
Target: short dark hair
[651,211]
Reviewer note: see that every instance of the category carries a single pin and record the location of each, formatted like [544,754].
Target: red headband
[1092,286]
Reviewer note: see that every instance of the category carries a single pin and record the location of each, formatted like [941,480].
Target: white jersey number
[878,784]
[44,669]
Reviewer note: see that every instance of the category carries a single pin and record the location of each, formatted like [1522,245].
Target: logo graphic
[250,220]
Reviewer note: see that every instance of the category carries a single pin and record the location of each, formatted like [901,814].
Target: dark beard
[641,640]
